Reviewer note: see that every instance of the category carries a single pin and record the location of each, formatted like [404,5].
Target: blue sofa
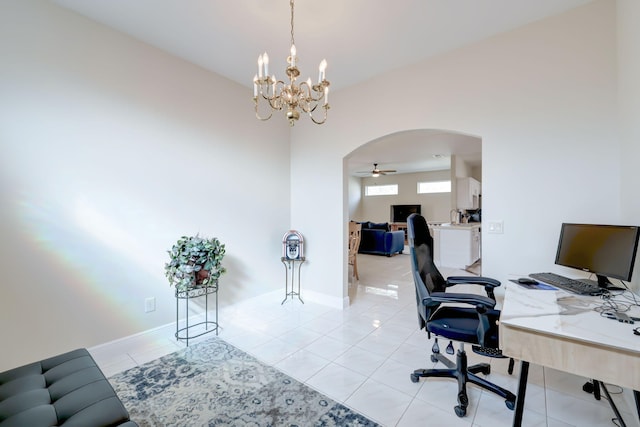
[376,239]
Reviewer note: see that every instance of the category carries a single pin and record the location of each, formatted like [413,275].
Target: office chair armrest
[488,283]
[473,280]
[476,300]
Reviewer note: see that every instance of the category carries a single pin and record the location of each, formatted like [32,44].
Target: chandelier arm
[317,90]
[275,103]
[320,96]
[264,95]
[304,86]
[264,119]
[270,100]
[324,119]
[305,96]
[265,85]
[311,102]
[305,105]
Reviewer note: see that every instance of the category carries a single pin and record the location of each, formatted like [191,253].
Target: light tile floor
[362,357]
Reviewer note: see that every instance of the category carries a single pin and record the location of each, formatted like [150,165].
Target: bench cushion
[66,390]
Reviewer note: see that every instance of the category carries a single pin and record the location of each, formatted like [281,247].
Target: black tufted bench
[66,390]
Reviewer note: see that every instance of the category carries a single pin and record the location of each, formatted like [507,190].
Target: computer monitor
[605,250]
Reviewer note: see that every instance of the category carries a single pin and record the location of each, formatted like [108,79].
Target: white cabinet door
[455,247]
[435,233]
[468,193]
[459,247]
[475,245]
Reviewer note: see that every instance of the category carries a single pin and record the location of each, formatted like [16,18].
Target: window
[434,187]
[381,190]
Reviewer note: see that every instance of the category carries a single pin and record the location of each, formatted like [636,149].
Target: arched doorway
[419,155]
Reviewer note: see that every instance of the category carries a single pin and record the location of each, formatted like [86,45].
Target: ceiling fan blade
[376,171]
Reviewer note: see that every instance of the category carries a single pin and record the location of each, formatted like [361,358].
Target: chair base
[464,374]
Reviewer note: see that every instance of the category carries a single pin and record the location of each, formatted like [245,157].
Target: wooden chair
[354,244]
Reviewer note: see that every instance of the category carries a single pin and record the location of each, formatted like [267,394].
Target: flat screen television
[400,213]
[605,250]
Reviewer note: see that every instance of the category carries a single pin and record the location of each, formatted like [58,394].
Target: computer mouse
[527,281]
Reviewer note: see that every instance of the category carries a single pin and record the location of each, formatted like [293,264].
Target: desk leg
[614,408]
[522,389]
[636,394]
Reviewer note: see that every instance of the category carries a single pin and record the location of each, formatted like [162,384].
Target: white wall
[109,151]
[543,100]
[435,207]
[92,124]
[629,100]
[354,197]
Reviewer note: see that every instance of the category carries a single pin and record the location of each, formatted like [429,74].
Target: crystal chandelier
[308,97]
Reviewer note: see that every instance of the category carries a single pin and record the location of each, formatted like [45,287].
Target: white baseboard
[324,299]
[272,297]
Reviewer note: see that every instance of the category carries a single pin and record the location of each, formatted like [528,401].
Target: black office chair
[473,320]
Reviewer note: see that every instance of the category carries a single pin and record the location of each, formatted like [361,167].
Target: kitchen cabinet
[459,245]
[468,193]
[435,234]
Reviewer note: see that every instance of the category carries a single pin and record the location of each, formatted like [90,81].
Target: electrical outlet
[150,304]
[496,227]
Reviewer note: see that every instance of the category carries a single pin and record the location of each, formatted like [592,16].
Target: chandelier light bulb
[265,60]
[322,68]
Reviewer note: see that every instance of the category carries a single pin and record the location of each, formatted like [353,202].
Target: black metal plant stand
[209,325]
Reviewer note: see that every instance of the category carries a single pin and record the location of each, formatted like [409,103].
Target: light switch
[496,227]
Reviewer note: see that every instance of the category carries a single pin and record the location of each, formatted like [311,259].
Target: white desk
[561,331]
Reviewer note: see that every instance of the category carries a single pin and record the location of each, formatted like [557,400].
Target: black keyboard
[570,285]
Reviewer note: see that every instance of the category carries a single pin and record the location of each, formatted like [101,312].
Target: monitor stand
[604,283]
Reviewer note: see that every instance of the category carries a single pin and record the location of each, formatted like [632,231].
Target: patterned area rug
[213,383]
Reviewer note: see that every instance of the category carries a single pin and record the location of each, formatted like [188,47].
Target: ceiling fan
[377,172]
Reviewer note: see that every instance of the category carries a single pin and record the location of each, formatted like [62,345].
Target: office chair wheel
[463,399]
[414,378]
[511,404]
[434,358]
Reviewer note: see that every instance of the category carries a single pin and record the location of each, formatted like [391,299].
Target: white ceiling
[359,38]
[415,151]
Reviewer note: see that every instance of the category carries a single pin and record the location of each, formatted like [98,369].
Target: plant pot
[201,275]
[195,262]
